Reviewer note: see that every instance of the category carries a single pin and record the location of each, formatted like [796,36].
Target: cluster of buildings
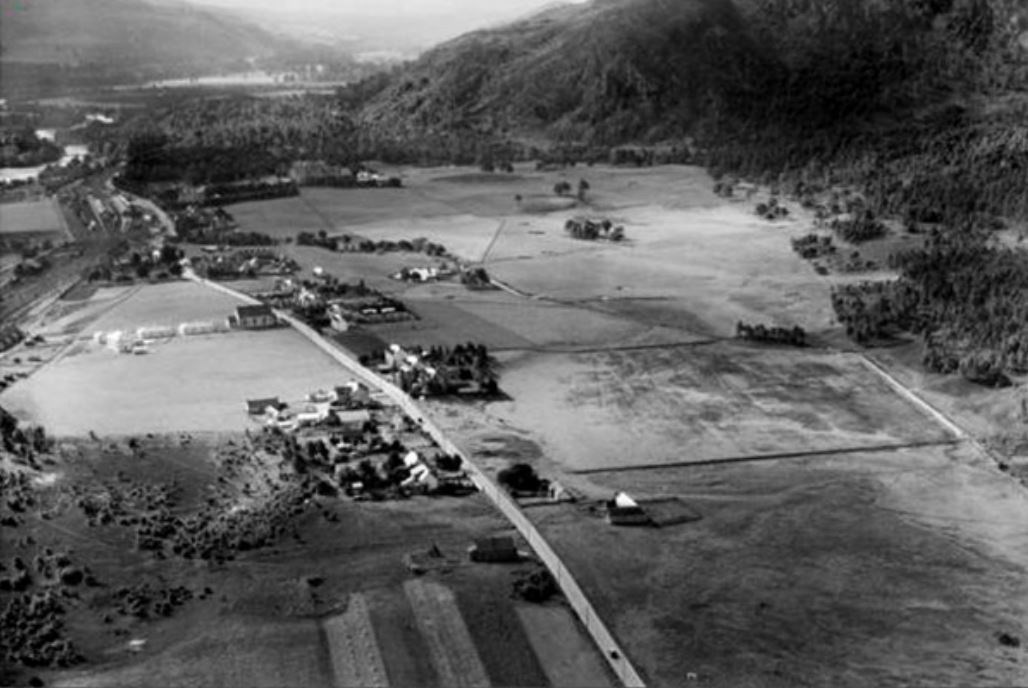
[429,273]
[345,409]
[321,173]
[422,373]
[327,302]
[360,443]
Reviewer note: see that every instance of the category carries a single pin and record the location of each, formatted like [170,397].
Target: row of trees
[793,336]
[349,243]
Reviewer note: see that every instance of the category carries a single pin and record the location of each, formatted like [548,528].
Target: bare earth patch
[694,404]
[452,650]
[356,660]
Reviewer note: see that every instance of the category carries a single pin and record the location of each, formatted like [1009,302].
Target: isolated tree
[583,186]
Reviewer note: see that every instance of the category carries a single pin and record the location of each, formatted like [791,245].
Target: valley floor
[837,533]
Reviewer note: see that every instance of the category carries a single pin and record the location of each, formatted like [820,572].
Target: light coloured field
[228,653]
[453,652]
[168,304]
[31,217]
[546,324]
[356,660]
[193,383]
[565,654]
[689,404]
[711,267]
[373,268]
[446,323]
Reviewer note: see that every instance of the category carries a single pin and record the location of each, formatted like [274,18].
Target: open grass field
[888,570]
[570,660]
[32,218]
[164,305]
[193,383]
[710,268]
[373,268]
[702,403]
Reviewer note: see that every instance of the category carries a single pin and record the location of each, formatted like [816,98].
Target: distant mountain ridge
[103,41]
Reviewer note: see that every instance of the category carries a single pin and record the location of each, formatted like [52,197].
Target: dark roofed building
[256,407]
[494,549]
[255,317]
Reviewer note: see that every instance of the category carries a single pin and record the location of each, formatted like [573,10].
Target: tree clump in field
[594,230]
[812,246]
[772,210]
[521,478]
[793,336]
[25,444]
[537,586]
[476,278]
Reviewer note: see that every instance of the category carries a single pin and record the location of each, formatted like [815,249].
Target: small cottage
[494,549]
[254,317]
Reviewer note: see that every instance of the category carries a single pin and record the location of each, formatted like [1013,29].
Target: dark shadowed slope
[615,70]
